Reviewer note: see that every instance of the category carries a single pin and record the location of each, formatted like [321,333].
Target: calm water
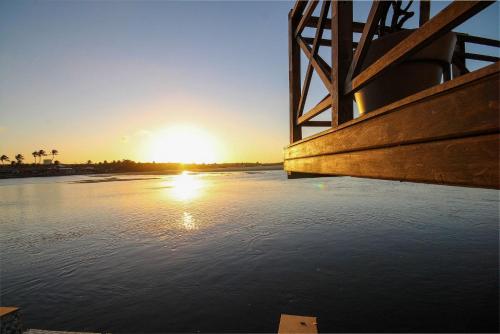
[232,251]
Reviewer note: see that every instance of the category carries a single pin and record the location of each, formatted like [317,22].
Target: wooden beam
[376,11]
[453,15]
[425,12]
[476,56]
[313,21]
[321,67]
[477,40]
[358,27]
[293,79]
[324,104]
[341,59]
[323,124]
[324,42]
[298,8]
[314,51]
[311,6]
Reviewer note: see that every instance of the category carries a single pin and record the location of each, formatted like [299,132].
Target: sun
[184,144]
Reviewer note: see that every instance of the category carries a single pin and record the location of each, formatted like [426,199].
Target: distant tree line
[19,158]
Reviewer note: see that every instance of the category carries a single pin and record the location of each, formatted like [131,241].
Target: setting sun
[184,144]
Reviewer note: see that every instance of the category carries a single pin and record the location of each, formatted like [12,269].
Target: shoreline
[39,171]
[201,170]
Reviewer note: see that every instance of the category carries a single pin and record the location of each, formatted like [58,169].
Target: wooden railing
[342,74]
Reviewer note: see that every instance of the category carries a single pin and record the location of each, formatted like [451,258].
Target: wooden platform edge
[471,161]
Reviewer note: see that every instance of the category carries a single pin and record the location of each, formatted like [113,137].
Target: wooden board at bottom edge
[297,324]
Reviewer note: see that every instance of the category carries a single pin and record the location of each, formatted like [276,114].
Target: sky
[111,80]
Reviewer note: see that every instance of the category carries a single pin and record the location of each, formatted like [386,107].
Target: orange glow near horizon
[183,144]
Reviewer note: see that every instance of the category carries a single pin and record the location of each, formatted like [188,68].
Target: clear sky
[120,79]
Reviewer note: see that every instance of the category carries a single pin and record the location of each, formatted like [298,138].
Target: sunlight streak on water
[187,187]
[188,222]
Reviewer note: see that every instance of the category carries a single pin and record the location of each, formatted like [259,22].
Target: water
[232,251]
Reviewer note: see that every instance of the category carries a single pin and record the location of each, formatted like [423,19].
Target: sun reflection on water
[187,186]
[188,222]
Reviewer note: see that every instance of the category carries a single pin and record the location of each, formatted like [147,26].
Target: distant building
[47,161]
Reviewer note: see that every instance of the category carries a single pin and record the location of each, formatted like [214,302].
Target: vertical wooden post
[341,60]
[425,12]
[293,78]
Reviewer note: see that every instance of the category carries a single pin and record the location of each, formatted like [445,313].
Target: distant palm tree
[54,153]
[4,158]
[35,154]
[41,153]
[19,158]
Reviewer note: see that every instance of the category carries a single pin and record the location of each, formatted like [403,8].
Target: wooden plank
[324,104]
[453,15]
[293,80]
[425,12]
[314,51]
[470,161]
[376,11]
[311,6]
[297,324]
[467,105]
[4,310]
[481,57]
[321,67]
[341,59]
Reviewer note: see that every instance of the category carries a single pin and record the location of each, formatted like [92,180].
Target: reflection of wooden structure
[446,134]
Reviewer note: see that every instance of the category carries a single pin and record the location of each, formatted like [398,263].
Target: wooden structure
[295,324]
[447,134]
[10,322]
